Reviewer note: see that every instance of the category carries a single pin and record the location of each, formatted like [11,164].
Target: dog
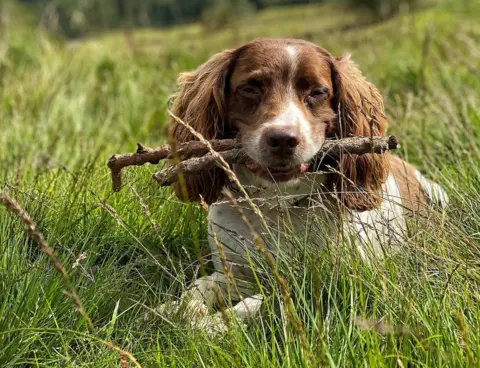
[282,98]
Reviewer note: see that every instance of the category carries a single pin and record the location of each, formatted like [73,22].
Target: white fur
[373,230]
[382,226]
[373,233]
[292,50]
[290,116]
[433,191]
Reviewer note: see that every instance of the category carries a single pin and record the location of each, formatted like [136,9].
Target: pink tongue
[303,168]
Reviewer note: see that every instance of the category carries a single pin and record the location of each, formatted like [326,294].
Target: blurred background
[77,18]
[81,80]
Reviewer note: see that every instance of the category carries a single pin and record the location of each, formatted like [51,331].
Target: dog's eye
[249,91]
[318,92]
[315,95]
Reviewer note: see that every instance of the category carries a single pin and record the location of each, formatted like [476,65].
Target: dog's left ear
[360,112]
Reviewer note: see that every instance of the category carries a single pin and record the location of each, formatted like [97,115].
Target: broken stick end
[392,142]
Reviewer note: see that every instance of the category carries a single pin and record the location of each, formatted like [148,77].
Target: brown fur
[361,113]
[211,101]
[201,104]
[413,196]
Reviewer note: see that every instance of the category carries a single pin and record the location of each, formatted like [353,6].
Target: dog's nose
[282,140]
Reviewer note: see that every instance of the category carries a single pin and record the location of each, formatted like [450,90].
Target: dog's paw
[248,308]
[197,315]
[213,325]
[218,323]
[182,309]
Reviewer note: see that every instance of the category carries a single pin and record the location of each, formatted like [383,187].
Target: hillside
[65,107]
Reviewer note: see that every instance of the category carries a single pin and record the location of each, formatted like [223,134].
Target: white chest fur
[303,211]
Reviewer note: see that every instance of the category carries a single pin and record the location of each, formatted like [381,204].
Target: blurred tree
[383,9]
[75,18]
[259,4]
[224,13]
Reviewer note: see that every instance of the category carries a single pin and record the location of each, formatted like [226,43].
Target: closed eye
[248,89]
[319,92]
[316,95]
[251,90]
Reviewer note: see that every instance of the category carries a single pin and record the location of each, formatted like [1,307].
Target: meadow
[65,107]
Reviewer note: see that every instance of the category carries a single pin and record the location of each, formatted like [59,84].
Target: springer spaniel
[283,98]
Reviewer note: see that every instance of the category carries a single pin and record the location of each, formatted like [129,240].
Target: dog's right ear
[359,106]
[201,103]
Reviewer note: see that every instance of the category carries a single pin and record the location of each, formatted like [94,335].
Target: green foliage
[65,108]
[74,18]
[223,13]
[383,9]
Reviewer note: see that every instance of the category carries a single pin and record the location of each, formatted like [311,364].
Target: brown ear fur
[360,113]
[200,103]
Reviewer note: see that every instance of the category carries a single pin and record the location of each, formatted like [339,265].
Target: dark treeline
[75,18]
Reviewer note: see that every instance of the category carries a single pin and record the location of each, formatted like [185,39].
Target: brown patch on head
[282,85]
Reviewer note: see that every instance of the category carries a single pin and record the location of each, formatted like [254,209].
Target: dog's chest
[301,214]
[290,215]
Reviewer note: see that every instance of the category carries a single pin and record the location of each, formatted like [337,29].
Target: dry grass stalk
[13,207]
[296,323]
[223,164]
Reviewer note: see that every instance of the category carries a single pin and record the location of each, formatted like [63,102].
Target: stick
[331,148]
[153,156]
[194,155]
[169,175]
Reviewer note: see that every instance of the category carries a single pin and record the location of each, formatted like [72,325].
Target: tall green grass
[65,108]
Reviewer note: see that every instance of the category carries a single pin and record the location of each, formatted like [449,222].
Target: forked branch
[194,156]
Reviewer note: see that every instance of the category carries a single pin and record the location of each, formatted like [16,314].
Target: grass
[65,107]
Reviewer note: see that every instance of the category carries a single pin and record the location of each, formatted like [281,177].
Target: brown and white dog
[283,98]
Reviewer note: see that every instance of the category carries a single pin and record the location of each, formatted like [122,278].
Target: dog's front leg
[205,292]
[245,310]
[199,299]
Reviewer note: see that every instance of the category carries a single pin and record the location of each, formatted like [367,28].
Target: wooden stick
[332,148]
[169,175]
[195,157]
[145,155]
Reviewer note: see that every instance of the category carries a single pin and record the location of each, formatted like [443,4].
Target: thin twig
[169,175]
[333,148]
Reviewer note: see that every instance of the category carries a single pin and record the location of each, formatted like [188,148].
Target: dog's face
[282,98]
[279,100]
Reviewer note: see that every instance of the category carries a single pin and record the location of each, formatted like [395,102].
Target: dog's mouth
[281,173]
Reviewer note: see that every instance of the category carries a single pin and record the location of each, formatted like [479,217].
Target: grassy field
[66,107]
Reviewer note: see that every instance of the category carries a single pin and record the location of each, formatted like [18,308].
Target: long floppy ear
[201,104]
[360,111]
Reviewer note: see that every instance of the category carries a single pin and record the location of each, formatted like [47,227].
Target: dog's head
[283,98]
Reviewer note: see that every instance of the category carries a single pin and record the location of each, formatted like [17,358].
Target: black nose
[282,140]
